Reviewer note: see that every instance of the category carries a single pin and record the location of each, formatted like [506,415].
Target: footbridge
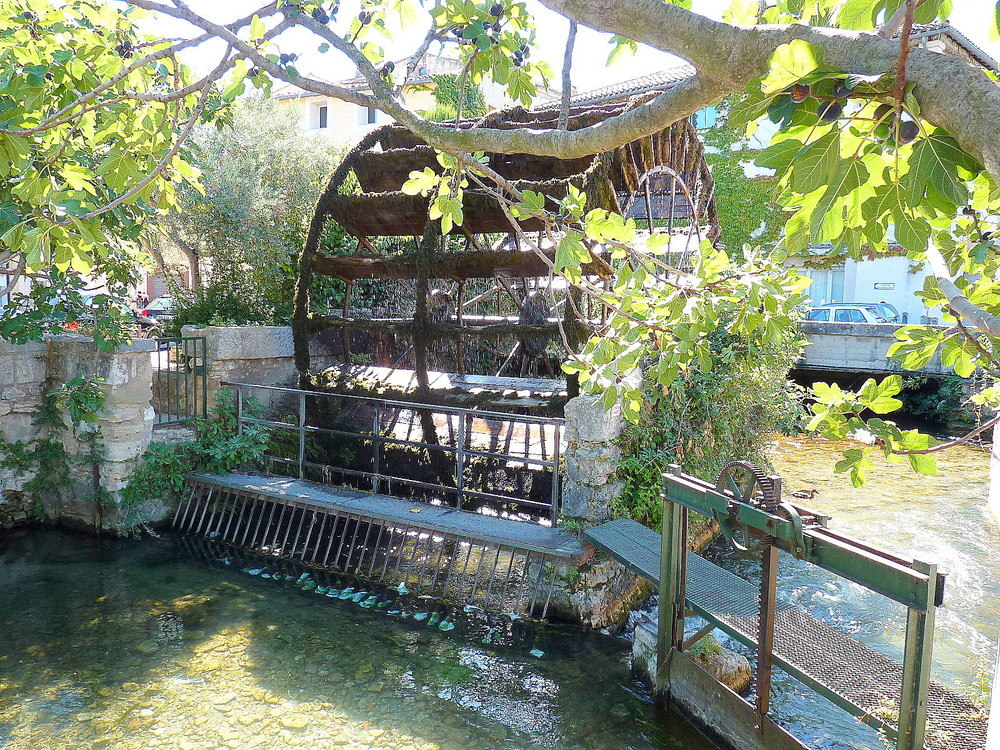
[855,347]
[464,505]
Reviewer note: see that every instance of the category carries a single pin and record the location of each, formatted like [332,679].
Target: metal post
[671,612]
[460,460]
[765,627]
[203,377]
[239,410]
[917,666]
[377,448]
[302,435]
[188,374]
[556,475]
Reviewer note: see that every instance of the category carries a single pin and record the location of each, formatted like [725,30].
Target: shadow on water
[111,644]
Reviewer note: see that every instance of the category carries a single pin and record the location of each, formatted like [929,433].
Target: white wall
[855,281]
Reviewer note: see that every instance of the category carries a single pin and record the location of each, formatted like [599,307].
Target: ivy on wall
[748,212]
[45,459]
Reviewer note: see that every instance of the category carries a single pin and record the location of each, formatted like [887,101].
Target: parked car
[854,312]
[161,309]
[128,313]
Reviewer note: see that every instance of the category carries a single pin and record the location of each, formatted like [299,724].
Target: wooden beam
[478,264]
[433,330]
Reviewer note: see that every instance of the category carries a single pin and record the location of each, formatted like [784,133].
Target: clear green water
[132,645]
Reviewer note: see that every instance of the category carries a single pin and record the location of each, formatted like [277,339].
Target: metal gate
[180,379]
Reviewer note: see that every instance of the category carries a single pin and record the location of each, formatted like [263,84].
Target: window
[705,118]
[820,315]
[367,115]
[322,117]
[849,316]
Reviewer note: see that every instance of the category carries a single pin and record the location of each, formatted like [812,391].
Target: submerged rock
[294,721]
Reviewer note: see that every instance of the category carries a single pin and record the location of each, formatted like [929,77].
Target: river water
[939,519]
[133,645]
[128,645]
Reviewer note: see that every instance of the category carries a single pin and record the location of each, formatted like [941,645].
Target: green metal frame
[180,385]
[916,585]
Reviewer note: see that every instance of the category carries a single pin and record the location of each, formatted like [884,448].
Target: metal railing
[895,698]
[180,379]
[476,444]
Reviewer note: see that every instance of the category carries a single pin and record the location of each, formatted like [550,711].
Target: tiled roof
[941,28]
[659,81]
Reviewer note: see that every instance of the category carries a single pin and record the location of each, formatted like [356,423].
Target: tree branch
[567,76]
[958,303]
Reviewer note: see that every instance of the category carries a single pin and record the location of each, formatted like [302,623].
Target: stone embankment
[27,373]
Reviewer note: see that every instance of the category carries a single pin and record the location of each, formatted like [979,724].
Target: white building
[347,123]
[890,278]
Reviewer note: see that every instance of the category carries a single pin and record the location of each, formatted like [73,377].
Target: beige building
[348,123]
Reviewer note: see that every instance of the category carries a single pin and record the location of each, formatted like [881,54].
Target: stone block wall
[124,424]
[253,354]
[22,371]
[600,592]
[592,455]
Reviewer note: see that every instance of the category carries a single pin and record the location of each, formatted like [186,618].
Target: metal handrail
[461,450]
[510,416]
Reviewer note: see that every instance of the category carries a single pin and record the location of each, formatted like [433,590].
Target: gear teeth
[766,493]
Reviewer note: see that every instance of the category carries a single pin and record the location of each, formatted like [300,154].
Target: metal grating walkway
[499,564]
[529,536]
[859,679]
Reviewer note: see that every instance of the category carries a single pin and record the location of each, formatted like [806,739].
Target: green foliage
[260,181]
[220,448]
[499,54]
[708,417]
[748,212]
[838,414]
[940,400]
[704,647]
[448,93]
[78,176]
[45,459]
[81,398]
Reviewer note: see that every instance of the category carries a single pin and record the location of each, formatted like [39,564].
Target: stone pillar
[600,592]
[125,423]
[592,455]
[22,371]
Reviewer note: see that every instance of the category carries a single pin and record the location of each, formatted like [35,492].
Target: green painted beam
[877,570]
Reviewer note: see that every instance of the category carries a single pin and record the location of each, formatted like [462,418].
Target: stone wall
[22,371]
[124,424]
[254,354]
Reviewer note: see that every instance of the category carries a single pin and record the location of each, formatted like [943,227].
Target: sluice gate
[500,565]
[899,699]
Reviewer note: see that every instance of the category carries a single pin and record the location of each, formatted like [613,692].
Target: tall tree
[242,227]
